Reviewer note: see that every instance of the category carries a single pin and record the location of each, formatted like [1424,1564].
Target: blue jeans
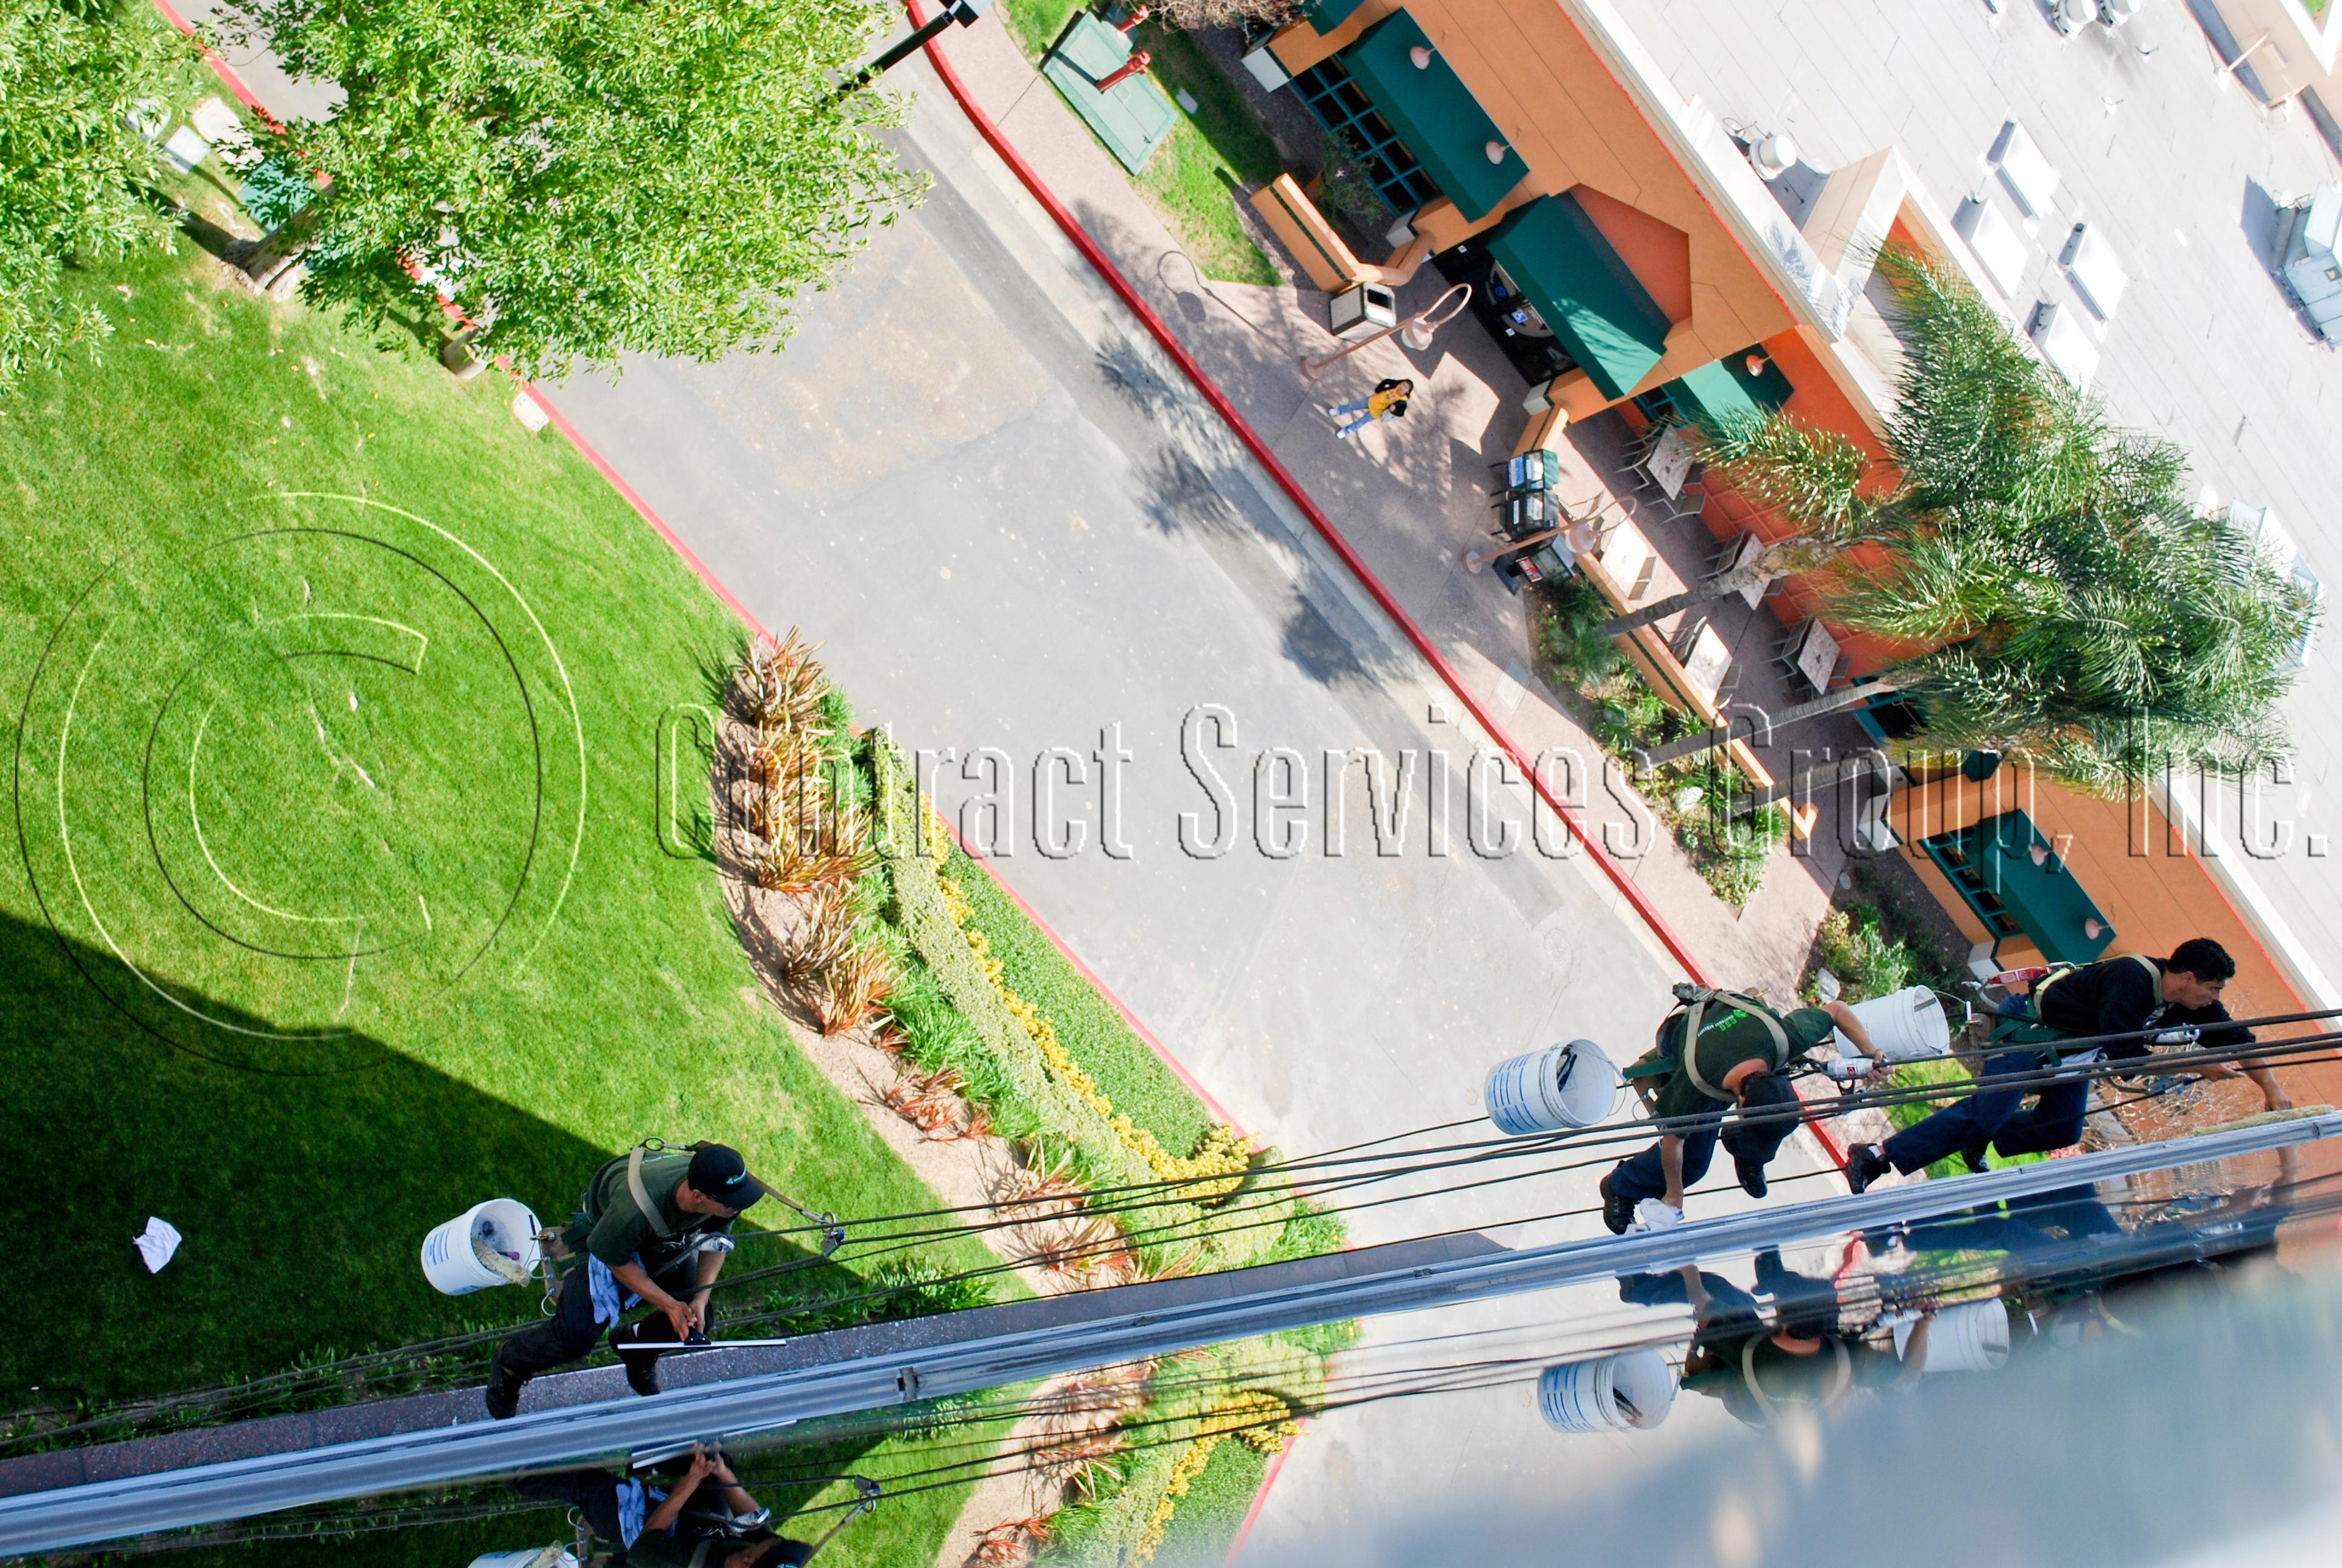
[1643,1176]
[2021,1226]
[1994,1116]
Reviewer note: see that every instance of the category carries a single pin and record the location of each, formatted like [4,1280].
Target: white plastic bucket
[1527,1093]
[1970,1337]
[1585,1396]
[506,1224]
[1906,1025]
[531,1557]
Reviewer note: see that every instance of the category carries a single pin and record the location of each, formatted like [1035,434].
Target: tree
[73,75]
[2098,630]
[1978,440]
[591,178]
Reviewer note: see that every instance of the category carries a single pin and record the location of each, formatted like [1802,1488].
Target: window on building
[1958,856]
[1350,116]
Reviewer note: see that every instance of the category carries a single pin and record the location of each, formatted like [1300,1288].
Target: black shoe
[1752,1177]
[1863,1165]
[1977,1158]
[642,1370]
[503,1389]
[1617,1213]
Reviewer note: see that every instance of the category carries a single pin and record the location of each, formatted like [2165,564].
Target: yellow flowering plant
[1216,1167]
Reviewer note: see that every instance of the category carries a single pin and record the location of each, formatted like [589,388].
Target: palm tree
[1976,441]
[2107,646]
[2077,611]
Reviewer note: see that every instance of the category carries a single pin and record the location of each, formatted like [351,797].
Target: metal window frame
[1964,874]
[1337,104]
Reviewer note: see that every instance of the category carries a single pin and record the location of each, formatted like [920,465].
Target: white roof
[2026,170]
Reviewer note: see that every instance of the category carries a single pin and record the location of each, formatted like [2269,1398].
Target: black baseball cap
[718,1172]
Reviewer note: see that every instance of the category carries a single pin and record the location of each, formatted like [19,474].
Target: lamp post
[964,11]
[1415,331]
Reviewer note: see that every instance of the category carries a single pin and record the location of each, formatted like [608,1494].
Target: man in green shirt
[651,1228]
[1739,1059]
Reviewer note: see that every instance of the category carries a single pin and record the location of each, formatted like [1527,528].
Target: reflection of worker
[1740,1052]
[678,1535]
[1802,1358]
[652,1226]
[1387,401]
[636,1515]
[2124,995]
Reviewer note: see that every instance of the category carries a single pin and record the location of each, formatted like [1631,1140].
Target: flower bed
[881,929]
[1622,713]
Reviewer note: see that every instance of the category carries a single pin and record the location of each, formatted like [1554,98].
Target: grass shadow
[303,1199]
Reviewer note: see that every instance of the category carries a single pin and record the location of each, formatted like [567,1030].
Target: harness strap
[1689,1049]
[1841,1377]
[641,1194]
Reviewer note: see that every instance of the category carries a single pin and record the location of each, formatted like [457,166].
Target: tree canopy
[590,178]
[72,166]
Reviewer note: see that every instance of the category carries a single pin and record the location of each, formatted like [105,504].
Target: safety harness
[1692,1004]
[2038,1032]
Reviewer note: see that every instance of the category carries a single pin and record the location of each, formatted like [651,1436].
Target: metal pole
[891,58]
[71,1516]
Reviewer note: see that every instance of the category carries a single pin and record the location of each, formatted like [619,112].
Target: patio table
[1705,664]
[1669,464]
[1815,655]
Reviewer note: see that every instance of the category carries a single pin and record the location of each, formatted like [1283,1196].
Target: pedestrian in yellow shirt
[1387,401]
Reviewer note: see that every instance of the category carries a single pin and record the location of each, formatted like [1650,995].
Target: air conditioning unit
[2310,254]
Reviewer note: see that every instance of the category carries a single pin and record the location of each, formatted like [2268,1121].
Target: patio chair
[1785,650]
[1727,554]
[1727,688]
[1688,638]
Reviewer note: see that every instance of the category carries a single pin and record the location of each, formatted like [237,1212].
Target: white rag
[631,1512]
[1652,1214]
[156,1242]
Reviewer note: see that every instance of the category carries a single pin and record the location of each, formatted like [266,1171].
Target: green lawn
[1194,180]
[341,901]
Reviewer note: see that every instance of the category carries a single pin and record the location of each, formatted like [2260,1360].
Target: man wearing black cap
[651,1229]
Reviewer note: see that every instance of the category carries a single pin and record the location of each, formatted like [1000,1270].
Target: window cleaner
[1718,1051]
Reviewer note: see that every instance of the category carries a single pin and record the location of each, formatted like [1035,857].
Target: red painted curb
[219,66]
[1219,1113]
[1260,1498]
[1268,460]
[675,542]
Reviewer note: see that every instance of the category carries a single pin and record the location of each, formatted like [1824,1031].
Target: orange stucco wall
[1558,106]
[2146,881]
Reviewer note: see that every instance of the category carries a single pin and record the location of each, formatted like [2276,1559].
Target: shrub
[1853,944]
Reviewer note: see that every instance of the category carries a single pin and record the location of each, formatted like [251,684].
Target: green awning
[2046,900]
[1723,394]
[1434,114]
[1325,16]
[1586,291]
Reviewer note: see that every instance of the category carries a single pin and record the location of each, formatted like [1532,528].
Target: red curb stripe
[1219,1111]
[633,499]
[1268,460]
[219,66]
[1260,1498]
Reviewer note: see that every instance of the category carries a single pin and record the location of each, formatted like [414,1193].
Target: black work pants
[570,1333]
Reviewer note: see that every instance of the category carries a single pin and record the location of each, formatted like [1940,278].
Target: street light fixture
[964,11]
